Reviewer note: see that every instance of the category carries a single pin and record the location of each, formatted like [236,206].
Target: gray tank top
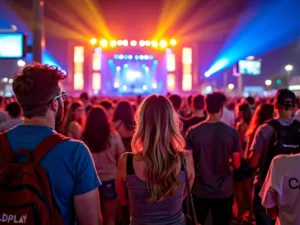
[143,212]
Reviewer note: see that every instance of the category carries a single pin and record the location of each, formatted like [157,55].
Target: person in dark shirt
[199,113]
[213,143]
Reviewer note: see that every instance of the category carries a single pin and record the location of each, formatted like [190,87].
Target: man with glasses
[69,166]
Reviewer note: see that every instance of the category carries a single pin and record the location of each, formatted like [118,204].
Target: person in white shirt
[280,193]
[14,112]
[227,116]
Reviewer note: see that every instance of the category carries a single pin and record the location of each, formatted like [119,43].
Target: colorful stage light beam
[258,33]
[219,65]
[173,11]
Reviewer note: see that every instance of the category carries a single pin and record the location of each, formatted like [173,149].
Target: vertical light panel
[96,82]
[96,66]
[78,67]
[171,63]
[97,59]
[171,82]
[187,69]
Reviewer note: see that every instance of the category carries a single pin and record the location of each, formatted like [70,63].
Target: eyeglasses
[63,96]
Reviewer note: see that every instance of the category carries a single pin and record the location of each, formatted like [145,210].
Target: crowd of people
[131,160]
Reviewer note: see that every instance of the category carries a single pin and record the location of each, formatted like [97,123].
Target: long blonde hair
[157,138]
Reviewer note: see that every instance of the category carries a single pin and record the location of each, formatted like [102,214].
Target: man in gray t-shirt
[213,144]
[285,102]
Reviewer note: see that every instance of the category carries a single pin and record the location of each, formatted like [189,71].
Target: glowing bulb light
[125,42]
[133,43]
[230,86]
[118,68]
[142,43]
[104,43]
[93,41]
[268,82]
[154,44]
[119,42]
[173,42]
[147,43]
[163,44]
[113,43]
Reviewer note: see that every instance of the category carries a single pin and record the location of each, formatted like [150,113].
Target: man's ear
[54,105]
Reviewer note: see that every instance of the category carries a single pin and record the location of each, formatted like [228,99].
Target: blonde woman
[153,175]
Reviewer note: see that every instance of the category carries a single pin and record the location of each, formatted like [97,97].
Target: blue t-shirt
[69,166]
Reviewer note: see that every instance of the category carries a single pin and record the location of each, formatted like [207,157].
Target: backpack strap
[275,124]
[46,145]
[6,154]
[296,125]
[129,165]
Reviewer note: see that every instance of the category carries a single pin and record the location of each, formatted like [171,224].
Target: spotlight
[125,42]
[154,44]
[155,62]
[116,56]
[103,43]
[230,86]
[113,43]
[10,81]
[119,42]
[146,57]
[125,65]
[142,43]
[147,69]
[93,41]
[148,43]
[137,57]
[173,42]
[268,82]
[118,68]
[163,44]
[130,57]
[21,63]
[143,66]
[126,57]
[121,56]
[110,61]
[151,57]
[141,57]
[124,87]
[154,85]
[5,79]
[207,74]
[145,87]
[133,43]
[116,84]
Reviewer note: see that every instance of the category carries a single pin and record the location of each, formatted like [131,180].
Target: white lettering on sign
[11,218]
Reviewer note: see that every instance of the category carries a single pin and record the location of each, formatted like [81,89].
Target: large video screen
[11,45]
[249,67]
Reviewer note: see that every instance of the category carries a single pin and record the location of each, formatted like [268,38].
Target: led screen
[249,67]
[11,45]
